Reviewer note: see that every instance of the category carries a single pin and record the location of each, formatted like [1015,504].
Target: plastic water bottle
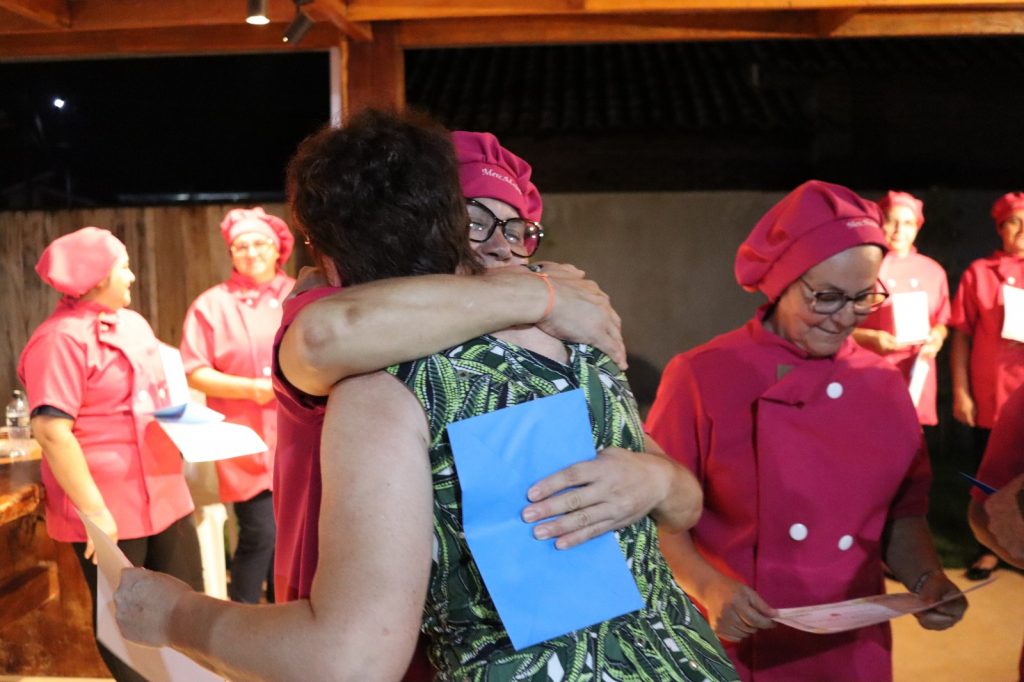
[19,433]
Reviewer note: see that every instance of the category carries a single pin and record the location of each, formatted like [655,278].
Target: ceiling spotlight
[256,14]
[300,25]
[58,102]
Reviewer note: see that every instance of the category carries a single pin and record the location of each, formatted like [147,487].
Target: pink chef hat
[75,263]
[239,221]
[812,223]
[1006,205]
[486,169]
[903,199]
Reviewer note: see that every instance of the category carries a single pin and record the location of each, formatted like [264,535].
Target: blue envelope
[540,592]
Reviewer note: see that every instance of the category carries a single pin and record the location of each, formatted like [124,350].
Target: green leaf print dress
[668,640]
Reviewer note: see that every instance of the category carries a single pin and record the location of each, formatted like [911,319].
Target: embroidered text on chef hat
[486,169]
[810,224]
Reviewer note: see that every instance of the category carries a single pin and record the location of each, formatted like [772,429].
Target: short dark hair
[380,197]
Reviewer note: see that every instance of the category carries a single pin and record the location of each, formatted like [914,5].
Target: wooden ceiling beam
[393,10]
[336,13]
[574,29]
[49,14]
[166,41]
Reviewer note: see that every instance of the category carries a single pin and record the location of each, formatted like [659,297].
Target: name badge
[1013,313]
[910,317]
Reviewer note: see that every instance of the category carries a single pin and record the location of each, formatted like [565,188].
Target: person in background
[376,515]
[997,519]
[986,358]
[905,271]
[93,375]
[808,450]
[227,349]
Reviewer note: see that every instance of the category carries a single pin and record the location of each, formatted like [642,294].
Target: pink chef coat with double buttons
[997,364]
[906,274]
[231,328]
[802,462]
[104,369]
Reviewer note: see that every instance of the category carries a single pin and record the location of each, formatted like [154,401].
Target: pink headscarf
[903,199]
[240,221]
[486,169]
[75,263]
[812,223]
[1006,205]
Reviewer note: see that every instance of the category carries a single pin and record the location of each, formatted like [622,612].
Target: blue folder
[540,592]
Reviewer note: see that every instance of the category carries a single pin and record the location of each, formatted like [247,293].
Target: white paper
[1013,313]
[174,372]
[859,613]
[918,375]
[910,317]
[211,441]
[157,664]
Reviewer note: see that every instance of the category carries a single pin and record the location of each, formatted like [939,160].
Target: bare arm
[999,522]
[66,460]
[612,491]
[964,409]
[217,384]
[911,557]
[368,327]
[735,611]
[362,618]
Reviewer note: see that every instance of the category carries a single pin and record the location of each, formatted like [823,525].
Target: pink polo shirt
[997,364]
[905,274]
[297,482]
[230,328]
[103,368]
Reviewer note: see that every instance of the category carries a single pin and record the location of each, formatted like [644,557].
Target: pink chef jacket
[103,368]
[1004,455]
[997,364]
[231,327]
[802,462]
[910,273]
[297,482]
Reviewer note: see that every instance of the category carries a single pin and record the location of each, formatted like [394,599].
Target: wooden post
[372,74]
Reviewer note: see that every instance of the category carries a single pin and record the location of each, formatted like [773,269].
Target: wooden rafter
[336,12]
[47,13]
[568,29]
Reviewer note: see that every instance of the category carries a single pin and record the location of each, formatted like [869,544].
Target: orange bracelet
[551,295]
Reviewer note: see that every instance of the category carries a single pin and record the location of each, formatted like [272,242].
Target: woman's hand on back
[595,496]
[582,313]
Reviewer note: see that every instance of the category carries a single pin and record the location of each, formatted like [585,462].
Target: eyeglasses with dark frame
[523,236]
[831,301]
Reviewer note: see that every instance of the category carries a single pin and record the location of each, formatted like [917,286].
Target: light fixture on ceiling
[256,13]
[300,24]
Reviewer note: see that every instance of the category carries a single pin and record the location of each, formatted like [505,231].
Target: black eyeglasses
[523,236]
[830,301]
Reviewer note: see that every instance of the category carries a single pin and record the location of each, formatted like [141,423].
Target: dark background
[631,117]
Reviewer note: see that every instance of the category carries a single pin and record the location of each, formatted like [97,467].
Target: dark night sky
[158,125]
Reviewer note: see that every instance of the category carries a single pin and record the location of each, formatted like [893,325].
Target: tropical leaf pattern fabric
[666,641]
